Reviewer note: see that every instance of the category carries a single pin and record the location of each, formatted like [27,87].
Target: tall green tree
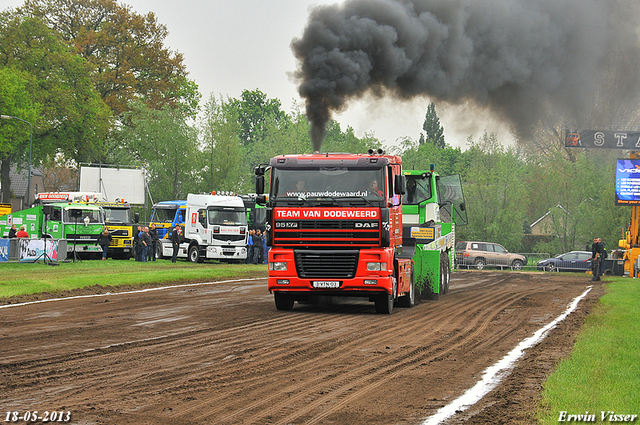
[50,87]
[433,131]
[167,146]
[495,193]
[222,154]
[255,111]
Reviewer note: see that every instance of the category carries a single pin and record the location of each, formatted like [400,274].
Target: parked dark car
[574,261]
[487,254]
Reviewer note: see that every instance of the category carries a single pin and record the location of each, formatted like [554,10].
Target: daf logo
[366,225]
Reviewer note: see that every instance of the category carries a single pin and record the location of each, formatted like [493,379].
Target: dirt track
[221,353]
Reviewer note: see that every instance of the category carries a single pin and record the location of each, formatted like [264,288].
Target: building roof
[547,213]
[20,181]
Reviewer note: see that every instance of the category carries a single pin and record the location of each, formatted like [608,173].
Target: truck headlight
[376,267]
[278,266]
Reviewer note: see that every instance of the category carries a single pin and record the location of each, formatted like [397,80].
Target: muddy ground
[220,353]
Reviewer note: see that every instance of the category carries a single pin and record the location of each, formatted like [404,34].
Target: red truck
[334,225]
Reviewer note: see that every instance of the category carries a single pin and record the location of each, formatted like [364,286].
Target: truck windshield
[78,215]
[163,215]
[418,190]
[227,216]
[117,215]
[334,182]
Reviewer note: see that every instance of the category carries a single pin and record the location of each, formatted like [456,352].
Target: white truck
[215,228]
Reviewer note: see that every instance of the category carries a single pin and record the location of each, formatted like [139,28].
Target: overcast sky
[230,46]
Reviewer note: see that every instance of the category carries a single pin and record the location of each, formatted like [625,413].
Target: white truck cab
[215,228]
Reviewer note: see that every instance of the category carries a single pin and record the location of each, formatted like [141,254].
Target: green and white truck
[431,207]
[79,224]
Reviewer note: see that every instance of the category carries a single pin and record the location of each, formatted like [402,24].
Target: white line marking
[111,294]
[493,375]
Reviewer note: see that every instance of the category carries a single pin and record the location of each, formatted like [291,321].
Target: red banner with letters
[326,213]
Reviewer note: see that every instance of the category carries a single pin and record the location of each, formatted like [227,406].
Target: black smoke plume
[519,58]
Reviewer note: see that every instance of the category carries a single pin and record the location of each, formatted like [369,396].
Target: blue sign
[4,250]
[628,182]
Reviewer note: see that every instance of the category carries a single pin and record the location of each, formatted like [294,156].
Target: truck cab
[166,215]
[334,224]
[215,228]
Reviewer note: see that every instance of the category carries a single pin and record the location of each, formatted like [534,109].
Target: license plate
[228,250]
[326,284]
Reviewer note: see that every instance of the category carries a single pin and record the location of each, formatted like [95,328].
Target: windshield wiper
[354,199]
[294,200]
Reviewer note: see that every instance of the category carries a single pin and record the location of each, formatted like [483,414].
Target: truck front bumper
[284,276]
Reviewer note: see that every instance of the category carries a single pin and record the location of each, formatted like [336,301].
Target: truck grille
[326,232]
[225,238]
[326,264]
[80,238]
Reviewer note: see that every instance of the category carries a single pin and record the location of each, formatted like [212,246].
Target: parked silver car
[487,254]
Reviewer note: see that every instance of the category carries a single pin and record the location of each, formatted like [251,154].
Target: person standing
[13,231]
[257,247]
[22,233]
[155,238]
[597,252]
[250,247]
[175,242]
[146,244]
[136,243]
[104,240]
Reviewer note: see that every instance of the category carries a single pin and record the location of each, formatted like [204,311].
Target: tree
[163,142]
[495,193]
[254,111]
[126,49]
[433,131]
[49,86]
[222,155]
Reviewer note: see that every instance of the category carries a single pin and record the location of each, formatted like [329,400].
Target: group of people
[145,243]
[15,233]
[257,252]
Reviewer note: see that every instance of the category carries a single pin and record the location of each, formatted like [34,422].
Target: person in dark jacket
[597,254]
[136,243]
[257,247]
[13,231]
[155,238]
[104,240]
[176,237]
[146,244]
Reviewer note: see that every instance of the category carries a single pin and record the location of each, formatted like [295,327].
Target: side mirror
[260,185]
[136,218]
[400,186]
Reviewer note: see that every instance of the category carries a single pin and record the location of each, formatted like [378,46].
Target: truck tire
[159,251]
[411,299]
[283,300]
[194,254]
[445,273]
[384,301]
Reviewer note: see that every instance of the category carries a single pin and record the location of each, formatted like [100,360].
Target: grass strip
[601,378]
[33,278]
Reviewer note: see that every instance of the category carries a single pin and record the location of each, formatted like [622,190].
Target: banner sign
[602,139]
[36,249]
[628,182]
[4,250]
[326,213]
